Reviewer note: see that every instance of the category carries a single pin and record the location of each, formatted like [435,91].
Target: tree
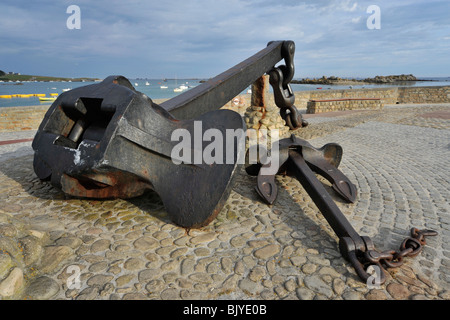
[2,73]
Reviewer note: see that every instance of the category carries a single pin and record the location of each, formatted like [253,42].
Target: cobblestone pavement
[56,247]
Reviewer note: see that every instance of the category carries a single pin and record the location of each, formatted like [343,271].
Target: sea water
[152,88]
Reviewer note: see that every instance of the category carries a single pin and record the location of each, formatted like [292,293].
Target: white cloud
[209,36]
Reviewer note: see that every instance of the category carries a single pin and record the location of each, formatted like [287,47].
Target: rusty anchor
[297,157]
[108,140]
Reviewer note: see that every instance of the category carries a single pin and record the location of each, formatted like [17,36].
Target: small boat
[136,84]
[45,99]
[67,89]
[164,87]
[147,84]
[177,90]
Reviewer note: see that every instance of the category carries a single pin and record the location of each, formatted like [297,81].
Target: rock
[352,295]
[100,245]
[290,285]
[257,273]
[149,274]
[207,237]
[9,245]
[250,287]
[52,257]
[398,291]
[338,286]
[154,286]
[11,285]
[309,268]
[145,243]
[316,284]
[125,279]
[304,293]
[227,265]
[267,251]
[376,295]
[133,264]
[170,294]
[42,288]
[5,264]
[71,241]
[32,250]
[45,223]
[7,230]
[88,294]
[187,266]
[99,280]
[134,296]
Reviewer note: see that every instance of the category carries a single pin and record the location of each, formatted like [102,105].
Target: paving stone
[267,251]
[42,288]
[398,291]
[11,285]
[304,293]
[53,256]
[100,245]
[316,284]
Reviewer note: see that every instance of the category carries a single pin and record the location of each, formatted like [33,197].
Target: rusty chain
[280,77]
[410,247]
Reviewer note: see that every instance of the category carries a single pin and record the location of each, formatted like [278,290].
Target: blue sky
[202,38]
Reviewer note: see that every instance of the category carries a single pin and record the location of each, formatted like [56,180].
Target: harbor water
[157,88]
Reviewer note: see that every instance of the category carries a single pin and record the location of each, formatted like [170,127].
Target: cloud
[203,38]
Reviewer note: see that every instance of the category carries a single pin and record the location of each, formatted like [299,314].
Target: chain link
[410,247]
[280,77]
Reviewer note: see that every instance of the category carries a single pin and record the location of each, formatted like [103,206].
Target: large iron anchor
[299,158]
[108,140]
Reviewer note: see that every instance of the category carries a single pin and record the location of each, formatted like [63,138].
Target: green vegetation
[24,77]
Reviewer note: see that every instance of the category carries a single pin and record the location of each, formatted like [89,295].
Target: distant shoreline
[392,79]
[17,78]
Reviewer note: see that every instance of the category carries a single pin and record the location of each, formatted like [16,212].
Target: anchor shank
[323,200]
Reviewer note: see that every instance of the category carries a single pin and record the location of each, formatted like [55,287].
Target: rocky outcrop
[343,81]
[391,79]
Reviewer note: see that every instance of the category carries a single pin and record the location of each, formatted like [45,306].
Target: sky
[202,38]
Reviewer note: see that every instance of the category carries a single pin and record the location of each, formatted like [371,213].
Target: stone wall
[386,95]
[319,106]
[423,94]
[21,118]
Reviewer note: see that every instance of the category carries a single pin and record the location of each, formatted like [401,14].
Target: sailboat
[180,88]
